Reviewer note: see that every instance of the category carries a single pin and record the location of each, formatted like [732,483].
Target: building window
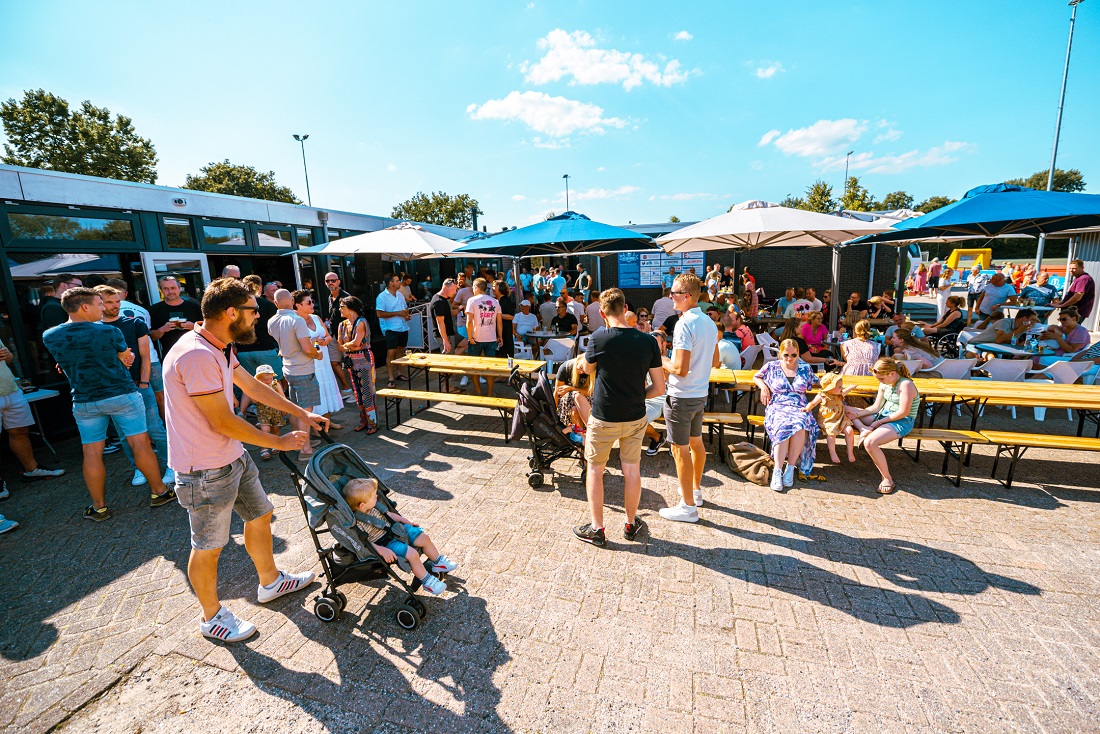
[230,236]
[273,238]
[305,238]
[177,233]
[59,227]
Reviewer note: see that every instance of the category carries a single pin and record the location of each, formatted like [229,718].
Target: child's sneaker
[443,565]
[226,627]
[287,583]
[433,585]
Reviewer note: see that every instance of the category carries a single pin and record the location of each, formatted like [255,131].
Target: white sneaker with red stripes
[287,583]
[226,627]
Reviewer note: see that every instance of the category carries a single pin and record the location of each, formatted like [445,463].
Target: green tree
[673,219]
[230,178]
[897,200]
[856,197]
[792,202]
[819,197]
[933,203]
[1070,180]
[43,133]
[437,208]
[549,215]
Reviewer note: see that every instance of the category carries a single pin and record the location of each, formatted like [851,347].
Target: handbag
[751,462]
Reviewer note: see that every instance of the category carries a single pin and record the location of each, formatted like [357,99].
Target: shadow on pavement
[452,655]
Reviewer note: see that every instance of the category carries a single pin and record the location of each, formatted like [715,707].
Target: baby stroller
[536,416]
[347,560]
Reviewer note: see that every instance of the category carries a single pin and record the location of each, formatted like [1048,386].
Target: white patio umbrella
[403,241]
[754,224]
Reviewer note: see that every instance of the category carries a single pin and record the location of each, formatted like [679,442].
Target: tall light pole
[1057,127]
[844,188]
[302,139]
[566,177]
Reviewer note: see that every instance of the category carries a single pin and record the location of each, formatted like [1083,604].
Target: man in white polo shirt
[694,353]
[393,317]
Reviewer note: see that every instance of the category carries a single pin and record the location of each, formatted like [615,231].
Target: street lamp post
[566,177]
[1057,127]
[844,187]
[302,139]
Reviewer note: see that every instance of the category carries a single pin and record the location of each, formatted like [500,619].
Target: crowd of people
[179,381]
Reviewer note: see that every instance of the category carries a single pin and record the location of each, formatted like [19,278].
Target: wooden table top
[465,362]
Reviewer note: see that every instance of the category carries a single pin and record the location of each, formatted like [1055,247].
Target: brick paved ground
[827,608]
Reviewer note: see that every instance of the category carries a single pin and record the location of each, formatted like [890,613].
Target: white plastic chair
[556,351]
[524,351]
[748,357]
[1005,370]
[582,343]
[771,353]
[1059,373]
[765,339]
[955,369]
[912,365]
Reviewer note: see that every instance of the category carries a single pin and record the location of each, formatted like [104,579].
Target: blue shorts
[127,411]
[482,349]
[399,547]
[156,377]
[901,427]
[462,332]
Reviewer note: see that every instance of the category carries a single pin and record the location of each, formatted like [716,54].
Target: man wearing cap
[524,321]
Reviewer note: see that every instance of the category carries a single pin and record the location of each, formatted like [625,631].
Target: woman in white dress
[331,401]
[943,290]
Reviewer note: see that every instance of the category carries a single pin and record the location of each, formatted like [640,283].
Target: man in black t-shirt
[172,317]
[443,319]
[621,358]
[564,322]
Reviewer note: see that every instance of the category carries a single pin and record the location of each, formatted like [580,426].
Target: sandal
[402,378]
[391,384]
[886,487]
[811,477]
[265,454]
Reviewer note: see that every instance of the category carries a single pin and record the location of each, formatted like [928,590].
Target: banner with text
[646,269]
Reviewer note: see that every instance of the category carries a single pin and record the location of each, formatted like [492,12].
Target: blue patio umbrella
[997,210]
[566,234]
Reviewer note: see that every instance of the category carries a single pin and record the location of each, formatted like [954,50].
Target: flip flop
[812,477]
[402,378]
[887,487]
[391,384]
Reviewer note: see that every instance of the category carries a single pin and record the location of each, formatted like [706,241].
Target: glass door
[190,269]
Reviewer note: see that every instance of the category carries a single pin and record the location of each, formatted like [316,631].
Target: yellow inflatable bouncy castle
[965,259]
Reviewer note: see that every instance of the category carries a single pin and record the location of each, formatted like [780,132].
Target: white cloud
[683,36]
[601,169]
[550,143]
[575,55]
[821,138]
[553,116]
[888,132]
[769,70]
[939,155]
[767,138]
[592,194]
[391,167]
[518,197]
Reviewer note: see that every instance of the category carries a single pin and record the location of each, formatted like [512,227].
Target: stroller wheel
[340,597]
[326,609]
[421,610]
[534,479]
[407,617]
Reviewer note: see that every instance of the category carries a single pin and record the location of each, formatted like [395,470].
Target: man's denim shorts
[127,411]
[482,349]
[305,391]
[399,547]
[156,377]
[211,495]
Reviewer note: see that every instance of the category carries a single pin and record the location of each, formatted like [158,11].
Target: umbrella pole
[834,302]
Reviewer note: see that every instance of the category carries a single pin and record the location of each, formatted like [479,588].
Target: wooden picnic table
[975,394]
[462,364]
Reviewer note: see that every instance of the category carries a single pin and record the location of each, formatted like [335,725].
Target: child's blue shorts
[399,547]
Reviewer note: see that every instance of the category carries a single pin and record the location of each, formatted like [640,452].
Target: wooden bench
[754,422]
[712,420]
[392,401]
[1016,444]
[956,445]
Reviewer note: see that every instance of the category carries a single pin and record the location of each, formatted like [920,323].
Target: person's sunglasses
[677,293]
[789,356]
[248,308]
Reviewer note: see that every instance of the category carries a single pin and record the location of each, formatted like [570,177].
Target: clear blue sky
[653,108]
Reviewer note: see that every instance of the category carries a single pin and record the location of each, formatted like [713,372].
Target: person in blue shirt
[787,299]
[557,283]
[1042,293]
[525,280]
[669,277]
[393,317]
[96,361]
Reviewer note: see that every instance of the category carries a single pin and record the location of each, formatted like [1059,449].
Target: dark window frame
[12,242]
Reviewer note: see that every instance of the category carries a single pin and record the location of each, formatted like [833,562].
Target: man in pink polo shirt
[214,474]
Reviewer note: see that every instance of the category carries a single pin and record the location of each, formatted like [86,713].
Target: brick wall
[776,268]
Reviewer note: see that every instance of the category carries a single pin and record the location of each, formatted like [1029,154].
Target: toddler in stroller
[393,535]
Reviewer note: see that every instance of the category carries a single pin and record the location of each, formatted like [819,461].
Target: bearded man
[214,474]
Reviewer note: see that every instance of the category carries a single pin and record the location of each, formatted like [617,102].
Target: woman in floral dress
[792,431]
